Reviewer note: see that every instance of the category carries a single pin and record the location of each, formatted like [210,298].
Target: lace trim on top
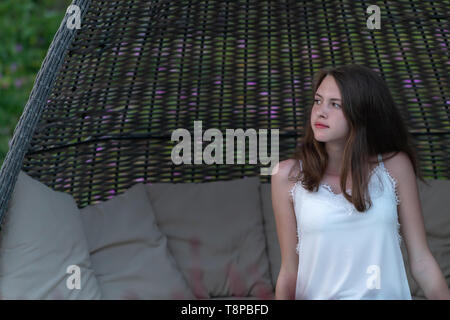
[394,185]
[328,187]
[291,192]
[292,197]
[397,200]
[297,248]
[351,208]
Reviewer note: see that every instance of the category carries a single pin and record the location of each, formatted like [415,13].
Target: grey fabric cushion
[270,229]
[129,254]
[215,232]
[435,208]
[42,236]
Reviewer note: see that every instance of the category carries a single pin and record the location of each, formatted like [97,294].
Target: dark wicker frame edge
[29,119]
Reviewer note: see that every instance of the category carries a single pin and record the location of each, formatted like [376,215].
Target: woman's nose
[321,112]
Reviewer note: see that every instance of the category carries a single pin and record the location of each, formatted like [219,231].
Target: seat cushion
[129,254]
[270,229]
[435,203]
[215,232]
[43,248]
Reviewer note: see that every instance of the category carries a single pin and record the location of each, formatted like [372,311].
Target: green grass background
[27,28]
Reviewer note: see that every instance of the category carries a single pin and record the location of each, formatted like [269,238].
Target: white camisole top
[346,254]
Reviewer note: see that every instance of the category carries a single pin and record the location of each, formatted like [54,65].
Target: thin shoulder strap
[380,158]
[301,167]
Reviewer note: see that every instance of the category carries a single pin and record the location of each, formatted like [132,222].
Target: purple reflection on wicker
[412,81]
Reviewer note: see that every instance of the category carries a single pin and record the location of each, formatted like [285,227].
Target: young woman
[340,202]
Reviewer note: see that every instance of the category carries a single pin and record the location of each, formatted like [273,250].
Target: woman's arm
[286,230]
[424,267]
[429,277]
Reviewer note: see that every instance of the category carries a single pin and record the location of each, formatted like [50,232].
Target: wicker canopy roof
[109,95]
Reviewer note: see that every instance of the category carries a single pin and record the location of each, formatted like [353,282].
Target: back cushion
[43,248]
[270,228]
[215,232]
[129,254]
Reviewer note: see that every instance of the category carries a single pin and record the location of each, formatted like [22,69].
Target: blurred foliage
[27,28]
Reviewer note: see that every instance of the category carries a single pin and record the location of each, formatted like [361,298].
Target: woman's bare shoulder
[284,169]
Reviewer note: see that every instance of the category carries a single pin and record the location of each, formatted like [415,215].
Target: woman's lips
[319,126]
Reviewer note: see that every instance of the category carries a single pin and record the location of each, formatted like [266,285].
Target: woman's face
[327,109]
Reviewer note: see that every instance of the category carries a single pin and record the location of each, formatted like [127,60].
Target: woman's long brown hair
[376,127]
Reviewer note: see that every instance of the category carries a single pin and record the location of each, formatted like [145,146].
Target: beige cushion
[129,254]
[215,232]
[435,202]
[43,236]
[270,229]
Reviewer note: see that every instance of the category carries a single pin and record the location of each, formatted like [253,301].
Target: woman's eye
[335,104]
